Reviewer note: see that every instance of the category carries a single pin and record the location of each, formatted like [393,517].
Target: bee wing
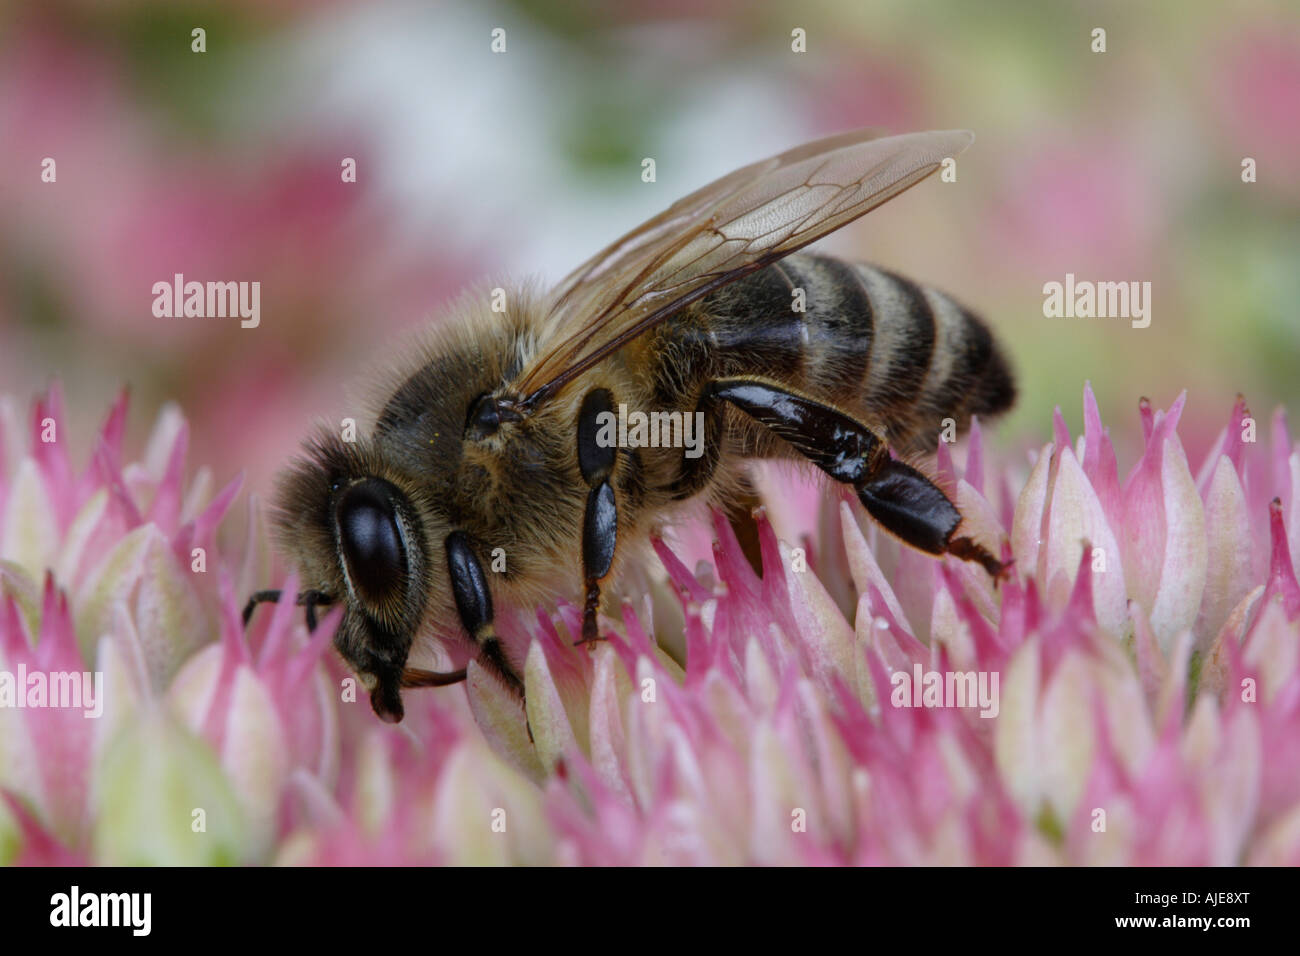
[738,224]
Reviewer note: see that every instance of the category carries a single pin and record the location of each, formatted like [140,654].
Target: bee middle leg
[600,519]
[896,495]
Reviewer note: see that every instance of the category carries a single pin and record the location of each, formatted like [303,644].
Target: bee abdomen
[933,361]
[805,320]
[904,356]
[968,376]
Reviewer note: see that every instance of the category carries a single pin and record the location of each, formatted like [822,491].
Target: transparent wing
[742,222]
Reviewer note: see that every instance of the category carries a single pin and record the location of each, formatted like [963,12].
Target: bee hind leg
[896,495]
[910,506]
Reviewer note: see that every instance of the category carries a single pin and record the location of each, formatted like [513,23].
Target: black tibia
[469,587]
[896,495]
[600,521]
[310,600]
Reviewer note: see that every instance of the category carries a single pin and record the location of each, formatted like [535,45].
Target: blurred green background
[225,165]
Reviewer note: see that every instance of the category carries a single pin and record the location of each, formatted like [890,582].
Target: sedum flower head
[1132,690]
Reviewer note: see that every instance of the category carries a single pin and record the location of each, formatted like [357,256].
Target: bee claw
[967,550]
[1004,572]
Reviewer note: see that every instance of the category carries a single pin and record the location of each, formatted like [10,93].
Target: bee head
[353,529]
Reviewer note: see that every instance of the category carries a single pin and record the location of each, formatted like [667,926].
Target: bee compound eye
[370,539]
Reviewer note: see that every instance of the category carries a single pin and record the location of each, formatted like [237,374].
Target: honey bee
[493,441]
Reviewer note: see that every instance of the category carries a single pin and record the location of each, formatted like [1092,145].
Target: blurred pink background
[225,165]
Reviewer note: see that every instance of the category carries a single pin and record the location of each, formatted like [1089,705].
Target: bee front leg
[474,604]
[596,461]
[897,496]
[309,599]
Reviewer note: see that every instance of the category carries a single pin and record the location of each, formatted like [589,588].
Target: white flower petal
[827,637]
[1182,576]
[609,688]
[553,735]
[500,715]
[1075,515]
[1027,525]
[30,535]
[1228,551]
[152,782]
[1015,732]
